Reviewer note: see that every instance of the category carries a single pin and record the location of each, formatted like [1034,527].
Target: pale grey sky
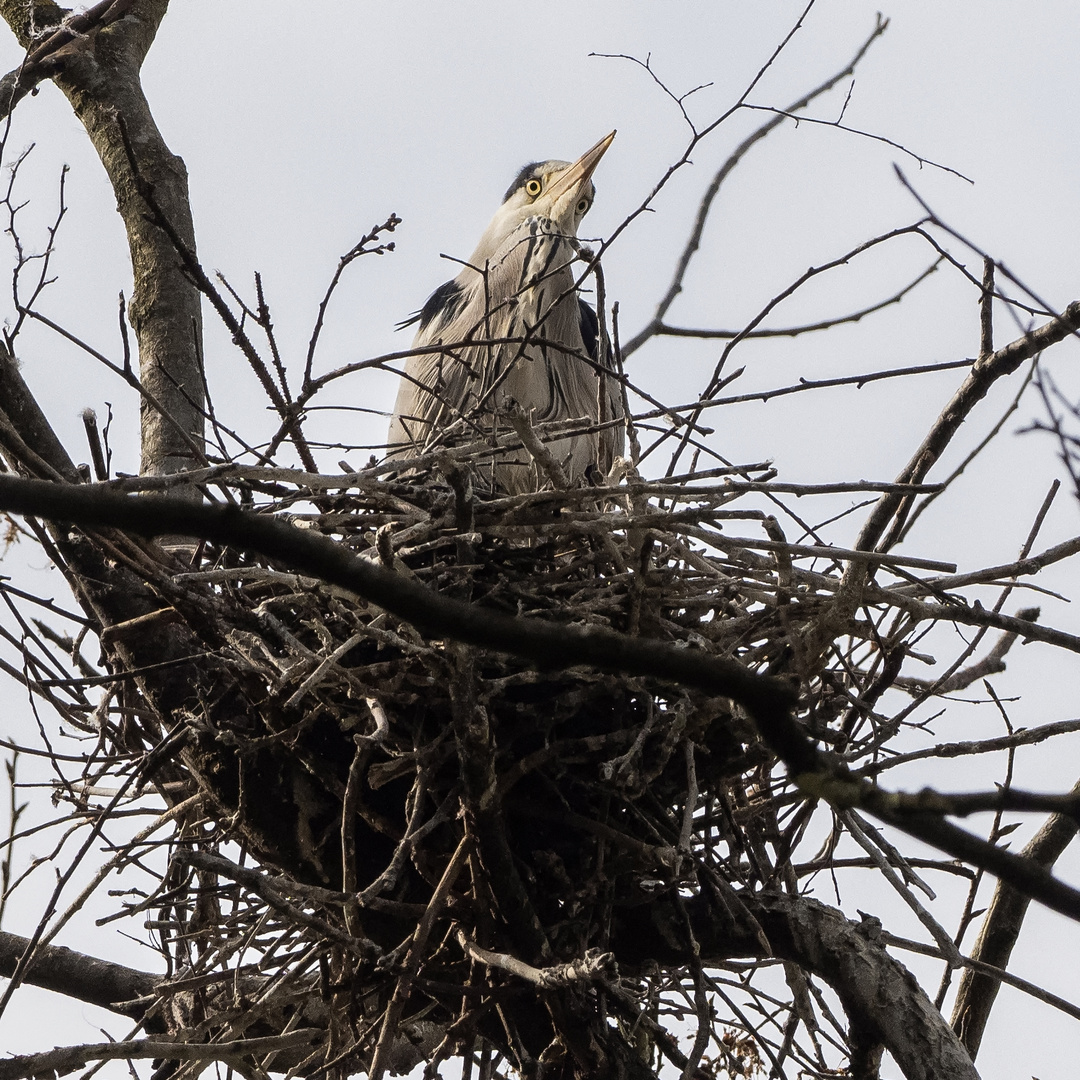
[302,126]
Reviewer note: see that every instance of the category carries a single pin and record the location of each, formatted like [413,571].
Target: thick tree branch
[76,975]
[49,53]
[29,20]
[978,991]
[100,75]
[27,427]
[878,992]
[768,700]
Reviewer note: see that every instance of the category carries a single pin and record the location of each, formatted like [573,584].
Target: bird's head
[561,191]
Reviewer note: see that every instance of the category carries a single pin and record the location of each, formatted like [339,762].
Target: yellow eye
[533,187]
[582,206]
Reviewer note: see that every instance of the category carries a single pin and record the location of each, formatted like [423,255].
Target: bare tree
[415,770]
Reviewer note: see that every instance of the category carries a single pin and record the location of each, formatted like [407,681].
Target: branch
[1024,566]
[863,134]
[86,978]
[100,75]
[662,329]
[714,380]
[984,373]
[694,240]
[878,993]
[28,429]
[976,615]
[997,974]
[436,616]
[69,1058]
[593,966]
[262,886]
[43,59]
[858,381]
[541,455]
[977,991]
[904,812]
[391,1024]
[1023,737]
[769,701]
[362,247]
[702,133]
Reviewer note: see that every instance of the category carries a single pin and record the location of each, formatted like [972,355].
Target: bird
[519,283]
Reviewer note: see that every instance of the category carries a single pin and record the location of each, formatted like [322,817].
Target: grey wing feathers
[457,392]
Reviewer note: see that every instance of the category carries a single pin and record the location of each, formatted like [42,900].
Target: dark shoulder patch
[526,172]
[590,328]
[444,301]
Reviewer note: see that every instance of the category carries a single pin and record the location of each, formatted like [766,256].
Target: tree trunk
[99,72]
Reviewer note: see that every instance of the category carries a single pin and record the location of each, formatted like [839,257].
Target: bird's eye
[582,206]
[533,187]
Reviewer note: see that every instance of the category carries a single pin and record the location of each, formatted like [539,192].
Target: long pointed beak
[574,177]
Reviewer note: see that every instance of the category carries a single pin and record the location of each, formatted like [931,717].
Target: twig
[434,911]
[594,966]
[974,388]
[362,247]
[865,135]
[693,242]
[664,330]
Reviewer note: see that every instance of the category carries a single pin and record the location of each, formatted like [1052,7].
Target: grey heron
[518,284]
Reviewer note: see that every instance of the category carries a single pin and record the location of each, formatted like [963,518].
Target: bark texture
[881,998]
[76,975]
[1000,931]
[100,75]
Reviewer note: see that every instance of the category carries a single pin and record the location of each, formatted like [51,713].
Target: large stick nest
[586,762]
[386,782]
[589,781]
